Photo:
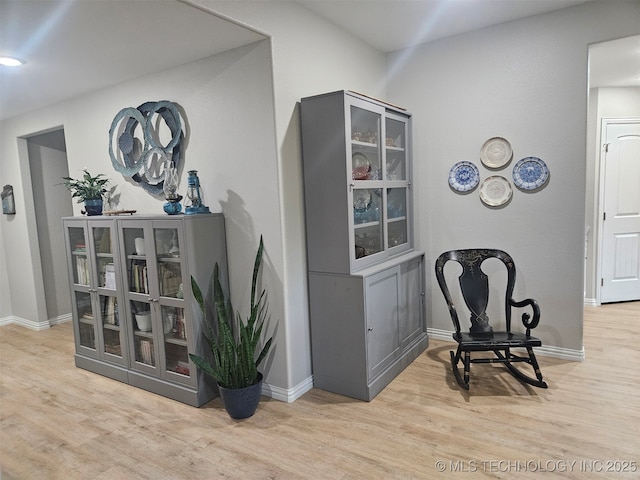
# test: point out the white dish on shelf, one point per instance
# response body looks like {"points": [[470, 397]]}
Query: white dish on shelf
{"points": [[143, 320], [496, 153], [495, 191]]}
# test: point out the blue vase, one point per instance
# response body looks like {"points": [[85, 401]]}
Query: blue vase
{"points": [[93, 206], [241, 402]]}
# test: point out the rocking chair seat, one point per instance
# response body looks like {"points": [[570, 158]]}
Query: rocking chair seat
{"points": [[497, 340], [480, 337]]}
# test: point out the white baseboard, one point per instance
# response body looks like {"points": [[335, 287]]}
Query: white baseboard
{"points": [[545, 350], [288, 395], [590, 302], [67, 317], [30, 324]]}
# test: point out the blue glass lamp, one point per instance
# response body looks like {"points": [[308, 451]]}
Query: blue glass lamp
{"points": [[170, 188], [194, 195]]}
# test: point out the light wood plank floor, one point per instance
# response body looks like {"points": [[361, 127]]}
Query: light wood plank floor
{"points": [[61, 422]]}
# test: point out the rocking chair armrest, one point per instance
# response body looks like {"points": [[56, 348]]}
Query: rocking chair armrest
{"points": [[533, 323]]}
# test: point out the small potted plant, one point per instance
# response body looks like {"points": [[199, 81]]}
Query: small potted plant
{"points": [[234, 346], [89, 190]]}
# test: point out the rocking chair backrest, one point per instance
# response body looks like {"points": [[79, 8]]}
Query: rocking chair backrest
{"points": [[474, 286]]}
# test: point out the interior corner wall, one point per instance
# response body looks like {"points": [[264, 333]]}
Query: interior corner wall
{"points": [[310, 56], [621, 102], [525, 81]]}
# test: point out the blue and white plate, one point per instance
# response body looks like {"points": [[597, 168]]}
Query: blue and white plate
{"points": [[464, 176], [530, 173]]}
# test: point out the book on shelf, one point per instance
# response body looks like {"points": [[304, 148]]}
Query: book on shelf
{"points": [[110, 276], [82, 270]]}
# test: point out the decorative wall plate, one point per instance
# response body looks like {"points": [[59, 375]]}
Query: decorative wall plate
{"points": [[464, 176], [495, 191], [496, 153], [530, 173]]}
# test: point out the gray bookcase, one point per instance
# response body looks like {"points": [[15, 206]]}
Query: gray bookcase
{"points": [[366, 281], [134, 317]]}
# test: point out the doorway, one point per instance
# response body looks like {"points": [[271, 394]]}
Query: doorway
{"points": [[48, 164], [620, 210], [614, 93]]}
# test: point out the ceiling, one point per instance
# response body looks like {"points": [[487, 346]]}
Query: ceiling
{"points": [[73, 47]]}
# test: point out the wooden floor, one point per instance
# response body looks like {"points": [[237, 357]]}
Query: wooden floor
{"points": [[61, 422]]}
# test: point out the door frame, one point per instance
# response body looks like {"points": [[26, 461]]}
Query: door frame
{"points": [[604, 123]]}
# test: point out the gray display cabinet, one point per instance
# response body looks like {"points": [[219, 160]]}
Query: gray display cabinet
{"points": [[134, 317], [366, 281]]}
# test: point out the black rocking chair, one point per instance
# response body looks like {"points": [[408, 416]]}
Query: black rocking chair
{"points": [[474, 286]]}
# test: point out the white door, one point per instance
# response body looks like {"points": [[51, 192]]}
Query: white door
{"points": [[621, 212]]}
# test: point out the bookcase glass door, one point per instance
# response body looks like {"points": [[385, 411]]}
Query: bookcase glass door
{"points": [[136, 255], [111, 331], [79, 260], [176, 349], [169, 265], [143, 335], [104, 262], [86, 320]]}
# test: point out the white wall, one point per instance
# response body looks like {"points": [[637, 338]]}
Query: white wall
{"points": [[603, 103], [526, 81], [310, 56]]}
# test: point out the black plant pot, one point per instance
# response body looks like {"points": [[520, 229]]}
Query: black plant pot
{"points": [[93, 206], [241, 402]]}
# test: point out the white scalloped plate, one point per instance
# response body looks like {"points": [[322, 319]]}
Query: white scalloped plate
{"points": [[496, 153], [495, 191]]}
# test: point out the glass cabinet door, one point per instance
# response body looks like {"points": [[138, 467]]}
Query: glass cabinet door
{"points": [[367, 221], [107, 314], [397, 226], [379, 171], [169, 265], [395, 149], [80, 274], [140, 301], [366, 156]]}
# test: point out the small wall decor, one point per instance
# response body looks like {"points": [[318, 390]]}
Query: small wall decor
{"points": [[530, 173], [495, 191], [464, 177], [136, 149], [496, 153], [8, 203]]}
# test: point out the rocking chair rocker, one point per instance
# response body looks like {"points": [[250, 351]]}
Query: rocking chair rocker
{"points": [[474, 286]]}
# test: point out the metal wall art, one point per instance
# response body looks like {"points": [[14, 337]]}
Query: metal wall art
{"points": [[135, 146]]}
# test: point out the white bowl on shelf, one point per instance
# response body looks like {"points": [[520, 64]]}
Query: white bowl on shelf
{"points": [[143, 320]]}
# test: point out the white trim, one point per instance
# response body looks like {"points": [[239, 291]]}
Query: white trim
{"points": [[67, 317], [288, 395], [544, 350], [591, 302], [30, 324]]}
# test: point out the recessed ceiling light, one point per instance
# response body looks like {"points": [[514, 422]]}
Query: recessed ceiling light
{"points": [[11, 62]]}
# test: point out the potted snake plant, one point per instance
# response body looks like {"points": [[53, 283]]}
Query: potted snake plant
{"points": [[234, 345]]}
